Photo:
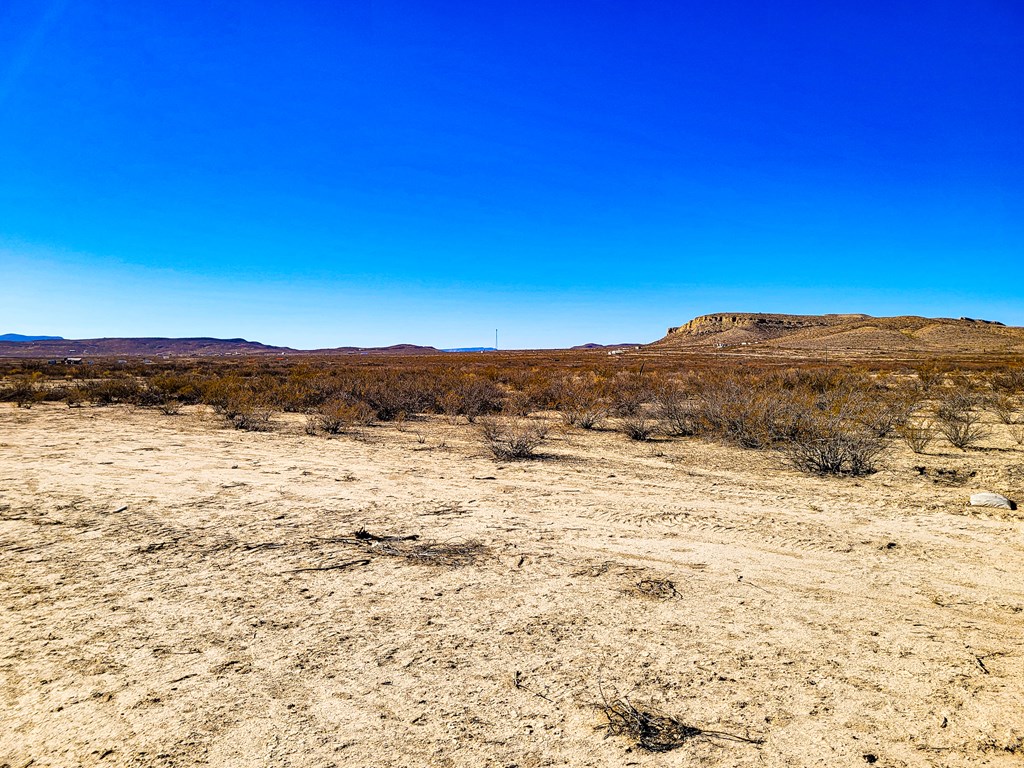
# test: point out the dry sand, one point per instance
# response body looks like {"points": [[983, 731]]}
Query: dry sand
{"points": [[153, 613]]}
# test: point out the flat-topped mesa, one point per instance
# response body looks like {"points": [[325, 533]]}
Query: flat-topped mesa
{"points": [[757, 321], [854, 334]]}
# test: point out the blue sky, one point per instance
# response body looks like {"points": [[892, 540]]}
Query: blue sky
{"points": [[332, 173]]}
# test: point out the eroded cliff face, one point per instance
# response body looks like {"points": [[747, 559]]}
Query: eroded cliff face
{"points": [[756, 321]]}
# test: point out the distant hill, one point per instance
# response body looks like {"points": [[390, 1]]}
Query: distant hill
{"points": [[605, 346], [17, 337], [185, 347], [843, 334]]}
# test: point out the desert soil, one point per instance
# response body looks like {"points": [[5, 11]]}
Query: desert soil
{"points": [[178, 593]]}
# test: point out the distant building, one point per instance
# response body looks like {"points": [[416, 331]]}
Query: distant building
{"points": [[72, 361]]}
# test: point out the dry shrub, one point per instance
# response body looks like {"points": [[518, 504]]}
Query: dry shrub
{"points": [[74, 396], [752, 412], [638, 426], [24, 390], [389, 394], [1009, 381], [959, 419], [581, 401], [468, 395], [339, 416], [1017, 432], [929, 377], [1003, 406], [885, 411], [836, 451], [676, 409], [170, 406], [520, 404], [918, 436], [630, 391], [249, 410], [831, 438], [512, 436], [115, 389], [450, 404]]}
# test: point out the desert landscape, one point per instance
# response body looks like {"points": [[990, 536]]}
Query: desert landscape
{"points": [[244, 563], [453, 385]]}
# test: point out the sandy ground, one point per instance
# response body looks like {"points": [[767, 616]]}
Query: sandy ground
{"points": [[154, 612]]}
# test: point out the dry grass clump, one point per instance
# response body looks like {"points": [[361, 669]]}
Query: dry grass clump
{"points": [[655, 731], [412, 550], [512, 436], [650, 730], [659, 589]]}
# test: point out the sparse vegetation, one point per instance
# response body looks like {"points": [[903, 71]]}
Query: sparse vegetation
{"points": [[638, 426], [1017, 432], [582, 401], [825, 419], [513, 436], [918, 436], [676, 409], [835, 451], [339, 416], [24, 390], [654, 731], [442, 506], [959, 419]]}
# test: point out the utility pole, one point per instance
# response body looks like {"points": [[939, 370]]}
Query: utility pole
{"points": [[495, 339]]}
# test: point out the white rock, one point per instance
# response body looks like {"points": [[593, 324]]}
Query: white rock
{"points": [[991, 500]]}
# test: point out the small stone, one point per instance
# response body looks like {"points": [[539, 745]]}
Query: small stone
{"points": [[991, 500]]}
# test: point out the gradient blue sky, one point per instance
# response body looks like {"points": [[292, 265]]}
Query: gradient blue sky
{"points": [[331, 173]]}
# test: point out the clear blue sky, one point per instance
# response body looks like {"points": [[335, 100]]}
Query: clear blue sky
{"points": [[330, 173]]}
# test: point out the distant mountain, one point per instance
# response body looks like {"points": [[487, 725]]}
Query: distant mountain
{"points": [[17, 337], [605, 346], [185, 347], [843, 334]]}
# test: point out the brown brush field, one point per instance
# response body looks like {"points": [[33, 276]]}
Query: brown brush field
{"points": [[701, 560]]}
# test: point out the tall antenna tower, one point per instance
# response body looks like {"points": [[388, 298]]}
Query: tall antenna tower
{"points": [[495, 339]]}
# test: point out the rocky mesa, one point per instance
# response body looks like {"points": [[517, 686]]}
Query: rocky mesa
{"points": [[846, 333]]}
